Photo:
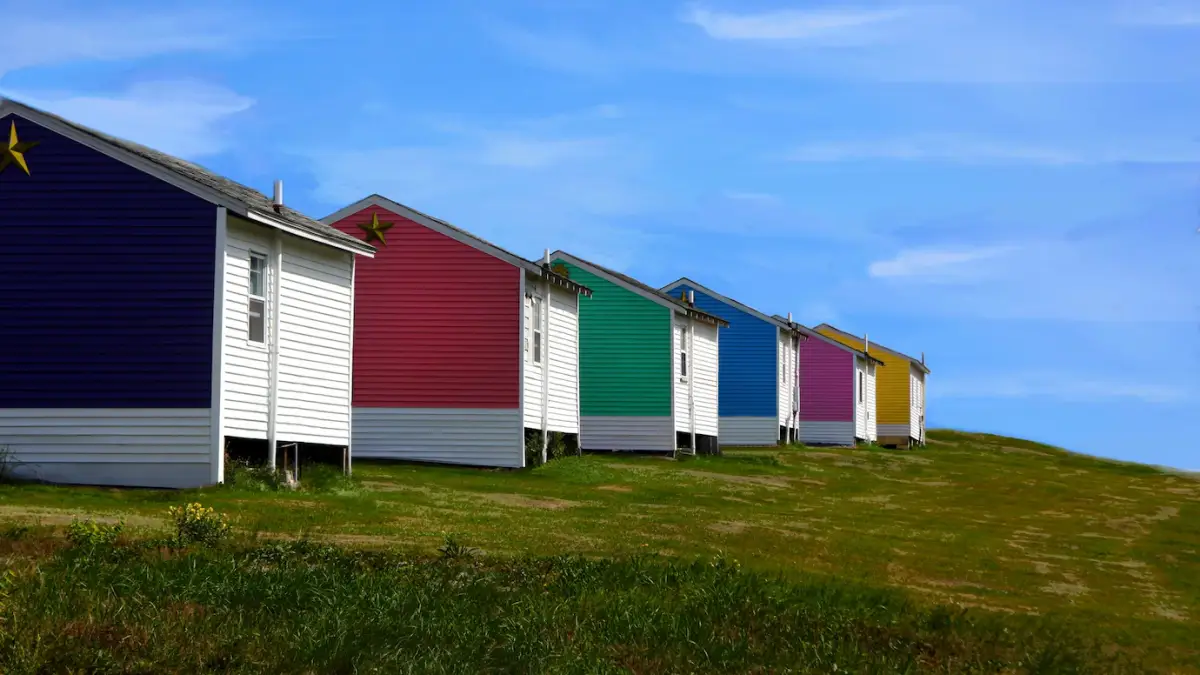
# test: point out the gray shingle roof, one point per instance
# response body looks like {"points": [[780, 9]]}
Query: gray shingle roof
{"points": [[683, 306], [250, 198]]}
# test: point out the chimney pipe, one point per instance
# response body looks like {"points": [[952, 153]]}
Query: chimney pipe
{"points": [[866, 343], [789, 317], [922, 358], [546, 257], [692, 298], [277, 202]]}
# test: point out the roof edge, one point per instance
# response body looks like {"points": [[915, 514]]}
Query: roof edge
{"points": [[658, 297]]}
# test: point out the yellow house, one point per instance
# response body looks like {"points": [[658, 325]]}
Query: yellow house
{"points": [[900, 390]]}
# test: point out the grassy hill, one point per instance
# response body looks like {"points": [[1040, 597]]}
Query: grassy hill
{"points": [[1012, 531]]}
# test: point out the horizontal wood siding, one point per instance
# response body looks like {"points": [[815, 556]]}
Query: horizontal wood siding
{"points": [[892, 382], [748, 358], [532, 381], [625, 351], [247, 382], [480, 437], [564, 361], [742, 431], [707, 385], [916, 403], [826, 382], [106, 283], [872, 414], [860, 398], [437, 322], [314, 344], [827, 433], [641, 433], [163, 447], [682, 408]]}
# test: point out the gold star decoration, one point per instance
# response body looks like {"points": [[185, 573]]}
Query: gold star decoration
{"points": [[561, 270], [375, 229], [14, 151]]}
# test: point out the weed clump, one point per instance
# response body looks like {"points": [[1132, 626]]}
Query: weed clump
{"points": [[197, 524]]}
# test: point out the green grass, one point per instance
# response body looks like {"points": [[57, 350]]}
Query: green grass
{"points": [[1022, 535]]}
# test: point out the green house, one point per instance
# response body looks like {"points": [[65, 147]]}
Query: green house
{"points": [[647, 365]]}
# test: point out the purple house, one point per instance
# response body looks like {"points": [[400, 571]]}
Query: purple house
{"points": [[837, 392]]}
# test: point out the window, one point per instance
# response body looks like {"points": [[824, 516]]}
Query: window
{"points": [[536, 320], [257, 305], [683, 355], [860, 386]]}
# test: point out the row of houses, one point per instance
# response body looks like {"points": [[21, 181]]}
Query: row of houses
{"points": [[156, 318]]}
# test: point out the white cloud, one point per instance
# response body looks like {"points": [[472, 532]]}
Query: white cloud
{"points": [[1131, 276], [526, 191], [1059, 386], [42, 37], [840, 25], [753, 197], [535, 153], [1160, 14], [937, 264], [962, 149], [182, 118], [932, 148]]}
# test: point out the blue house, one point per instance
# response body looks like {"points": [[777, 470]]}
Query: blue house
{"points": [[758, 377], [153, 314]]}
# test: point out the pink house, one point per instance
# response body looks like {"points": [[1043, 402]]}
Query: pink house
{"points": [[837, 392]]}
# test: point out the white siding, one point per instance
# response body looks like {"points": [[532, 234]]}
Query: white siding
{"points": [[564, 361], [678, 340], [916, 403], [704, 386], [244, 406], [533, 371], [131, 447], [872, 424], [790, 397], [476, 437], [647, 434], [783, 398], [827, 433], [315, 340], [741, 431], [860, 398]]}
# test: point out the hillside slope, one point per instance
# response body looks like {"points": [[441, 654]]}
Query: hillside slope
{"points": [[981, 521]]}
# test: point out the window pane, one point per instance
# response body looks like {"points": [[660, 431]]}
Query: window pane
{"points": [[537, 347], [683, 364], [257, 326], [257, 264]]}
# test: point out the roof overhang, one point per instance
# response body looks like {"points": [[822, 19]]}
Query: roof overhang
{"points": [[669, 303]]}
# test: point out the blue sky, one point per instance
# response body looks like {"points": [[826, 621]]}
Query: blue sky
{"points": [[1011, 187]]}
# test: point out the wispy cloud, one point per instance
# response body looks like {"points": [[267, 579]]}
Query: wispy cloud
{"points": [[963, 149], [1177, 14], [754, 197], [181, 117], [824, 25], [523, 189], [37, 35], [937, 264], [1059, 386]]}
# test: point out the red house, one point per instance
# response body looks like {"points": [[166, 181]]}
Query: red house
{"points": [[462, 349]]}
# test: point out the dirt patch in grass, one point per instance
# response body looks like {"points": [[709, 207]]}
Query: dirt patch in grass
{"points": [[765, 481], [1022, 451], [729, 527], [524, 501], [615, 488], [387, 486], [1068, 589], [49, 516]]}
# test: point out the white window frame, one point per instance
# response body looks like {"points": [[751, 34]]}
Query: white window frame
{"points": [[537, 347], [260, 299], [684, 364]]}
